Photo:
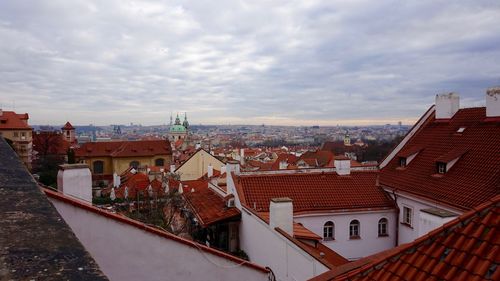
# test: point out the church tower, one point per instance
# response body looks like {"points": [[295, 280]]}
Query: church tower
{"points": [[69, 133]]}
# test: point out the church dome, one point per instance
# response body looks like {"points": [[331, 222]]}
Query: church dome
{"points": [[177, 129]]}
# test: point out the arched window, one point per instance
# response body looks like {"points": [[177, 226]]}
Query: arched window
{"points": [[382, 227], [98, 167], [134, 164], [329, 231], [160, 162], [354, 230]]}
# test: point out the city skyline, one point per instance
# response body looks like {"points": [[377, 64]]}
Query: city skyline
{"points": [[281, 63]]}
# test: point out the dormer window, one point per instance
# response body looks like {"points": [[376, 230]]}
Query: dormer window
{"points": [[441, 168], [402, 162]]}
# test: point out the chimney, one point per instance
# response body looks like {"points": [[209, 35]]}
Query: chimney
{"points": [[197, 146], [75, 180], [210, 171], [447, 105], [180, 190], [242, 156], [493, 102], [233, 166], [222, 169], [116, 180], [342, 165], [281, 214], [172, 168]]}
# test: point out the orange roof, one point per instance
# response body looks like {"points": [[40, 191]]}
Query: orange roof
{"points": [[314, 191], [124, 148], [207, 205], [68, 126], [11, 120], [467, 248], [474, 178]]}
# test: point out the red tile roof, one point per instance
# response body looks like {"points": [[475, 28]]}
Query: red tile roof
{"points": [[12, 120], [207, 205], [68, 126], [124, 149], [474, 178], [314, 191], [467, 248], [323, 158]]}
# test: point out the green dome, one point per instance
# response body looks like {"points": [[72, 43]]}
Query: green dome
{"points": [[177, 129]]}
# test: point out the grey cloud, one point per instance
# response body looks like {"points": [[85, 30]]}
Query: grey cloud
{"points": [[236, 61]]}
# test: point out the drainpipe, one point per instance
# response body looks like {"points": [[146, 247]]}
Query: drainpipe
{"points": [[397, 216]]}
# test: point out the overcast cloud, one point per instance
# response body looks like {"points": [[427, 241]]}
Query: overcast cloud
{"points": [[292, 63]]}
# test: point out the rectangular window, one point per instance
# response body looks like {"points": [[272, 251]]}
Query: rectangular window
{"points": [[441, 168], [16, 134], [402, 162], [407, 215]]}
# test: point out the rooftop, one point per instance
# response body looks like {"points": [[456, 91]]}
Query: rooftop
{"points": [[325, 191], [474, 178], [12, 120], [124, 148]]}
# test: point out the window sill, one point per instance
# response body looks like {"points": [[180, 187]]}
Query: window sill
{"points": [[406, 224], [354, 237], [328, 239], [383, 235]]}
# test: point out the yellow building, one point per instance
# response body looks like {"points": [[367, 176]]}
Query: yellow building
{"points": [[15, 129], [106, 158], [197, 165]]}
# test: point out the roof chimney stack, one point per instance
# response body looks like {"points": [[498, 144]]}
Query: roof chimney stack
{"points": [[281, 214], [75, 180], [493, 102], [447, 105], [233, 166], [342, 165], [210, 171]]}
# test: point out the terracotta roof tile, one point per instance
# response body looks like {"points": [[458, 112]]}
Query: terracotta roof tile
{"points": [[474, 178], [467, 248], [207, 205], [12, 120], [68, 126], [314, 191], [124, 148]]}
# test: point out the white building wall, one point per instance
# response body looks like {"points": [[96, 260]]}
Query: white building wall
{"points": [[410, 233], [428, 222], [352, 249], [269, 248], [124, 252]]}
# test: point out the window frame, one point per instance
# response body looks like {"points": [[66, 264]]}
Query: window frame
{"points": [[383, 224], [407, 220], [162, 160], [131, 164], [94, 163], [355, 229], [441, 168], [402, 162], [329, 230]]}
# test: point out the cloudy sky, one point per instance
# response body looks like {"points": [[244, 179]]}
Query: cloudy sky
{"points": [[236, 62]]}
